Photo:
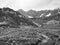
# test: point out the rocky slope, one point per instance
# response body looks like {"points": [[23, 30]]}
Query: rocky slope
{"points": [[13, 18]]}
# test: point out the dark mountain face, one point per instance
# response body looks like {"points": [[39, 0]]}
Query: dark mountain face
{"points": [[13, 18], [9, 15]]}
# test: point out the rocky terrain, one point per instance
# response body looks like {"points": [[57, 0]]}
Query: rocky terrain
{"points": [[32, 36], [18, 28]]}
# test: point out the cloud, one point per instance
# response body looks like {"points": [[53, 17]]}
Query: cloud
{"points": [[30, 4], [54, 4]]}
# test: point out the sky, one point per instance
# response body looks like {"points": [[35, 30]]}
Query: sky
{"points": [[30, 4]]}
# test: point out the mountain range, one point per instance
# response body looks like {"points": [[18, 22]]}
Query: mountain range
{"points": [[11, 18], [40, 14]]}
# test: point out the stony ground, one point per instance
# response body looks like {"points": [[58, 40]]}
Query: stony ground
{"points": [[29, 36]]}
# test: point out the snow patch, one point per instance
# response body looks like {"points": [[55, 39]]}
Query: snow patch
{"points": [[30, 17], [41, 15], [48, 15]]}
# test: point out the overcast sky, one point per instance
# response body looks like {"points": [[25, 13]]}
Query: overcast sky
{"points": [[30, 4]]}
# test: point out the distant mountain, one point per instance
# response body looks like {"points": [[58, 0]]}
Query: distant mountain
{"points": [[42, 16], [26, 14], [39, 14]]}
